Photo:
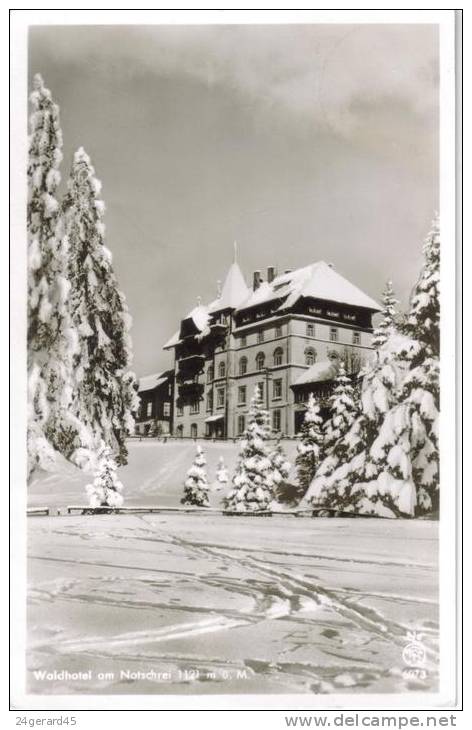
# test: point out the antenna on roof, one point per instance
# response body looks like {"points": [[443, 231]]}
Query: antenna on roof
{"points": [[235, 257]]}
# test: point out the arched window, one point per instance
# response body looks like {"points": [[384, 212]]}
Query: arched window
{"points": [[278, 355], [310, 356], [260, 360], [222, 369], [193, 430], [210, 374], [243, 366]]}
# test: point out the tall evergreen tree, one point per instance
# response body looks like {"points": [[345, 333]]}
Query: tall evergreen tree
{"points": [[310, 446], [343, 409], [423, 323], [389, 315], [407, 445], [105, 396], [391, 459], [253, 479], [281, 466], [52, 340]]}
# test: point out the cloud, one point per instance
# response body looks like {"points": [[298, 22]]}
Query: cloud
{"points": [[328, 74]]}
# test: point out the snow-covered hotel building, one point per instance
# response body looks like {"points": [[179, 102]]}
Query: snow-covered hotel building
{"points": [[287, 334]]}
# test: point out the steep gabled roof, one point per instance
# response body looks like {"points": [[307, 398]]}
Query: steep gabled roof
{"points": [[200, 316], [318, 280], [149, 382], [234, 291], [174, 340]]}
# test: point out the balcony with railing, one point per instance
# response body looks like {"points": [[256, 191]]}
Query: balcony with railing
{"points": [[190, 392], [189, 367]]}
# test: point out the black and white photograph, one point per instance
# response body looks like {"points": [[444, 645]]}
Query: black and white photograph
{"points": [[236, 287]]}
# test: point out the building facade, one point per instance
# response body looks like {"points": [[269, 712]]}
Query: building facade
{"points": [[156, 395], [288, 335]]}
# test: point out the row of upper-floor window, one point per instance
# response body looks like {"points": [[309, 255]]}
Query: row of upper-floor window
{"points": [[310, 331], [261, 362], [243, 362], [277, 390], [277, 357]]}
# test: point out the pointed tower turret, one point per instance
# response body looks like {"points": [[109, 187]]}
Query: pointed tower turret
{"points": [[233, 292]]}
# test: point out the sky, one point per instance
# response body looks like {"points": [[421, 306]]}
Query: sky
{"points": [[300, 142]]}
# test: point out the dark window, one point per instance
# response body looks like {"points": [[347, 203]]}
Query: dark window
{"points": [[220, 397], [356, 338], [180, 410], [278, 356], [241, 424], [195, 407], [277, 389], [260, 360], [261, 388], [278, 331], [242, 395], [260, 336], [243, 341], [180, 430], [310, 356], [243, 366], [333, 334], [276, 419], [210, 374], [222, 369], [194, 430], [310, 330], [209, 405]]}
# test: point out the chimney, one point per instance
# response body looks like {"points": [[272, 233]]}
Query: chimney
{"points": [[270, 274], [256, 280]]}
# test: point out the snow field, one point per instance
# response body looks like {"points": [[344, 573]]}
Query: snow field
{"points": [[154, 475], [214, 605]]}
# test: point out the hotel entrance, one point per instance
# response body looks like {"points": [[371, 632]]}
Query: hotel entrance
{"points": [[214, 427]]}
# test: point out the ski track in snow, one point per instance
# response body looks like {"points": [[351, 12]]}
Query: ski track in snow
{"points": [[277, 619]]}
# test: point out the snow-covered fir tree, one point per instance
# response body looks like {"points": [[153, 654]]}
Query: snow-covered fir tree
{"points": [[406, 448], [221, 474], [389, 316], [196, 485], [52, 339], [343, 435], [423, 322], [105, 387], [281, 467], [391, 460], [253, 479], [106, 489], [310, 445], [343, 410]]}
